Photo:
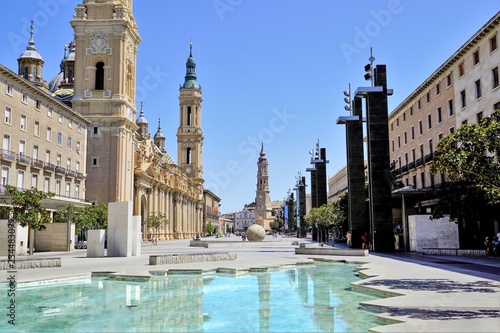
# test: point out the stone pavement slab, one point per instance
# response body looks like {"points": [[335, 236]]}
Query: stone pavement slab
{"points": [[415, 297]]}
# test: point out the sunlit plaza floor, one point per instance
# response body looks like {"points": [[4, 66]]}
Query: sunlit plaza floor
{"points": [[423, 297]]}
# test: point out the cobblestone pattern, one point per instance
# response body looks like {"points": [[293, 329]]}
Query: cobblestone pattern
{"points": [[31, 263], [189, 258]]}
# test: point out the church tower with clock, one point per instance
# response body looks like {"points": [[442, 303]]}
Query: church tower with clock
{"points": [[262, 200], [106, 40], [189, 133]]}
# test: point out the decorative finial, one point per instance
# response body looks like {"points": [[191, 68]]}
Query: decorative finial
{"points": [[190, 49], [31, 43], [142, 103], [159, 127]]}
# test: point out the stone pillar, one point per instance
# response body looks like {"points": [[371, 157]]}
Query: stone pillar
{"points": [[356, 195], [302, 208], [379, 165], [314, 196]]}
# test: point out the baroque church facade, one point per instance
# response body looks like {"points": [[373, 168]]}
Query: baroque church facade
{"points": [[97, 81]]}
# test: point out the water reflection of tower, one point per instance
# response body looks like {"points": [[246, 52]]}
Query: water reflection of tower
{"points": [[324, 313], [303, 286], [264, 283]]}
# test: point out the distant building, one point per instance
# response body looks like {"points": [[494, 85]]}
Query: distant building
{"points": [[211, 214], [243, 219]]}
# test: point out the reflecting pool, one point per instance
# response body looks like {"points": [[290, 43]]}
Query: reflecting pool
{"points": [[305, 298]]}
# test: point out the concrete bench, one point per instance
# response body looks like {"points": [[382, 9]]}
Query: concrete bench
{"points": [[167, 259], [331, 251], [31, 263]]}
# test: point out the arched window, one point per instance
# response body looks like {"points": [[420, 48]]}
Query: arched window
{"points": [[189, 116], [99, 76], [188, 156]]}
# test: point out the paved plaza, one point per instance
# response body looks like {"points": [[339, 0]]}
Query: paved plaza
{"points": [[421, 293]]}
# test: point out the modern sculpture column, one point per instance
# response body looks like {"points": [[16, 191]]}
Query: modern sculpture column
{"points": [[379, 163], [356, 195]]}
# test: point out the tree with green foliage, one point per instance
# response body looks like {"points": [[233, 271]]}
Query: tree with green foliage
{"points": [[326, 217], [89, 217], [210, 228], [275, 225], [27, 209], [156, 220], [470, 155]]}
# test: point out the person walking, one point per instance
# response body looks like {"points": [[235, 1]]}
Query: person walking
{"points": [[348, 238]]}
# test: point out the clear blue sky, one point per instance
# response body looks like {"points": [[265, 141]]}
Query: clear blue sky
{"points": [[271, 70]]}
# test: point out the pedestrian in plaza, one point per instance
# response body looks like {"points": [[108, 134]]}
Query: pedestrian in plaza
{"points": [[496, 246], [348, 237], [487, 246], [366, 241]]}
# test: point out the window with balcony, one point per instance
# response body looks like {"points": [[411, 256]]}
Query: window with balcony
{"points": [[478, 89], [494, 76], [475, 57], [493, 43], [22, 123], [36, 128], [58, 187], [8, 89], [461, 69], [8, 115], [463, 99]]}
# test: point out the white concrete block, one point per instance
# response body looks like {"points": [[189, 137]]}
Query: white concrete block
{"points": [[95, 243], [136, 235], [120, 229]]}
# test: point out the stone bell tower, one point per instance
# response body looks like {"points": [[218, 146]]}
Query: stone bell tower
{"points": [[106, 40], [189, 133]]}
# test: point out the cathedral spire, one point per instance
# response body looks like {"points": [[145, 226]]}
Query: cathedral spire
{"points": [[190, 80], [30, 63]]}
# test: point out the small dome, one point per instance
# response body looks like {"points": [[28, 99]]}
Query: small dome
{"points": [[55, 82], [141, 120], [159, 134], [71, 54], [31, 51]]}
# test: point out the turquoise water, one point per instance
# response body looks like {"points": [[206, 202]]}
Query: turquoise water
{"points": [[309, 298]]}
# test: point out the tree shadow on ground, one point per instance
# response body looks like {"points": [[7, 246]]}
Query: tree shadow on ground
{"points": [[435, 285], [444, 314]]}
